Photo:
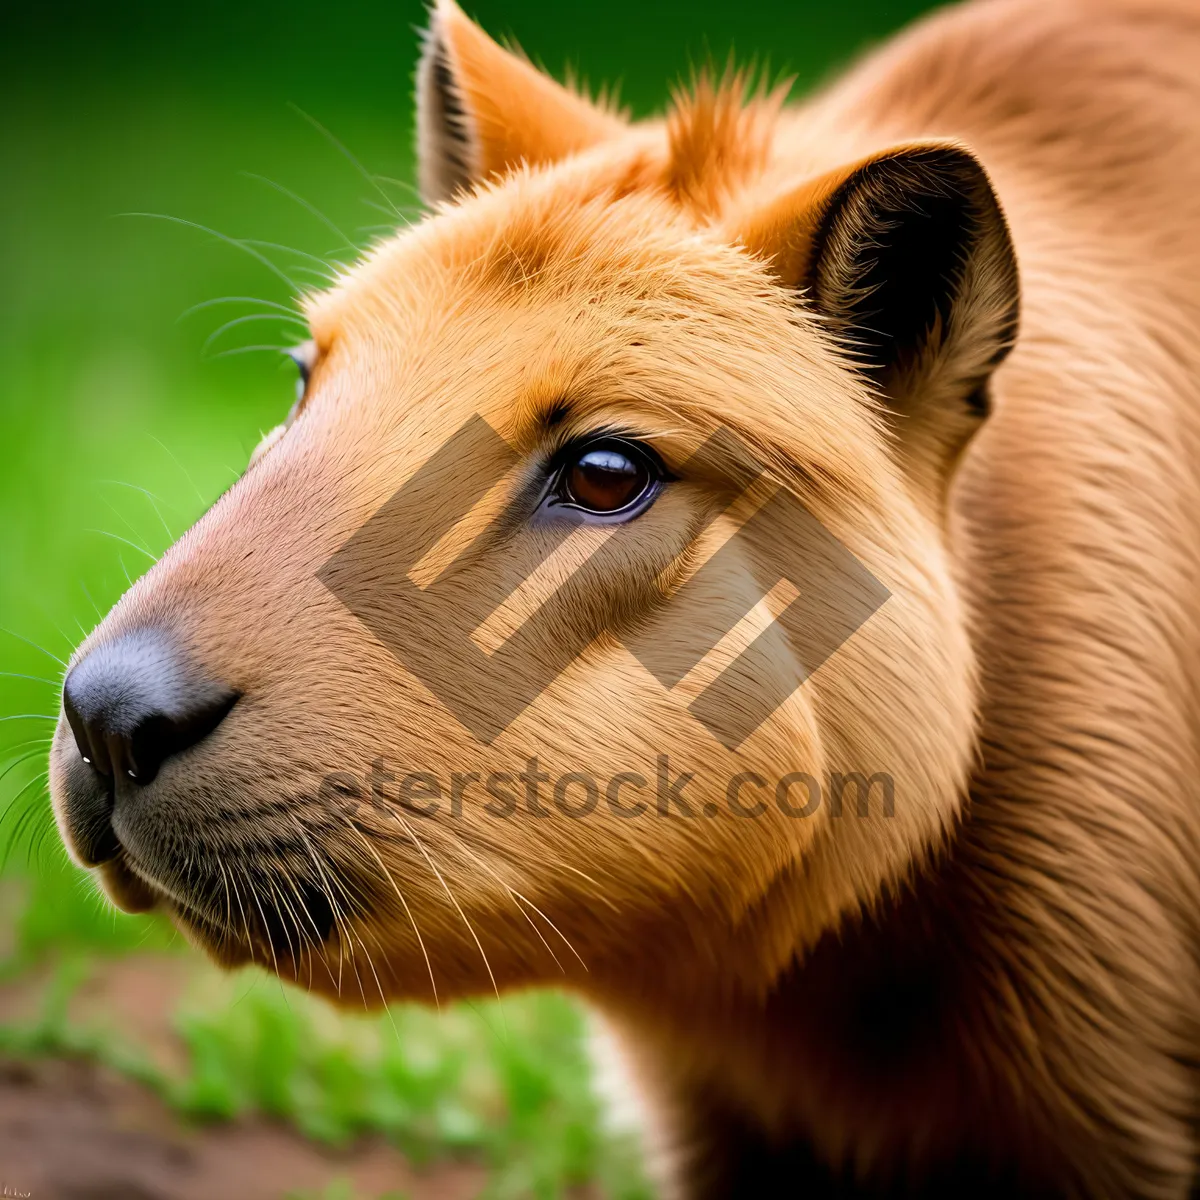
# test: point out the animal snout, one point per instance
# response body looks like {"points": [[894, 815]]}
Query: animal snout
{"points": [[137, 701]]}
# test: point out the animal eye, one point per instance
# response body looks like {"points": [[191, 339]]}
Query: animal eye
{"points": [[607, 477], [303, 356]]}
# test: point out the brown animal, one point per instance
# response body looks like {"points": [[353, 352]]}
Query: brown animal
{"points": [[986, 981]]}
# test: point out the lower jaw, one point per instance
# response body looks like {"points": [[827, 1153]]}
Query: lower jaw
{"points": [[132, 894], [225, 951], [127, 890]]}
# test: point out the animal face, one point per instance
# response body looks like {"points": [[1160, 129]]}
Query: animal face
{"points": [[412, 711]]}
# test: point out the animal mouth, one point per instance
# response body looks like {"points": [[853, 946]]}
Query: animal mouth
{"points": [[239, 888], [236, 918], [127, 889], [237, 893]]}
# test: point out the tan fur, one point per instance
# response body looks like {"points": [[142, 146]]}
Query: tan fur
{"points": [[996, 987]]}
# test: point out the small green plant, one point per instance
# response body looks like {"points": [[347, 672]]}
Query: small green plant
{"points": [[341, 1189], [507, 1084]]}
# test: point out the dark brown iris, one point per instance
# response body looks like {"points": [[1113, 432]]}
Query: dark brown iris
{"points": [[606, 479]]}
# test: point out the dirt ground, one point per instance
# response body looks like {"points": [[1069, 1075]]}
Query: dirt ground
{"points": [[72, 1131]]}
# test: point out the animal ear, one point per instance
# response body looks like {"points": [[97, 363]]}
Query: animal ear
{"points": [[482, 109], [907, 256]]}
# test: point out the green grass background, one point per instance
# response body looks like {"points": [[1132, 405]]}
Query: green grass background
{"points": [[120, 420]]}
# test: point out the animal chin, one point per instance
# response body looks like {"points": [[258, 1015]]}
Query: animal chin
{"points": [[222, 945], [125, 888], [248, 925], [128, 888]]}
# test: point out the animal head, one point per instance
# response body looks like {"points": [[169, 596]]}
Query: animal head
{"points": [[469, 681]]}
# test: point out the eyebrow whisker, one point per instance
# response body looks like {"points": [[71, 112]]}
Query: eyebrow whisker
{"points": [[243, 320], [308, 206], [273, 304]]}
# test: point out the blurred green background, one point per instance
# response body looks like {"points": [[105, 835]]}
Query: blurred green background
{"points": [[124, 409]]}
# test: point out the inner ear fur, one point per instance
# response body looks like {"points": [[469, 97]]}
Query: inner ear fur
{"points": [[907, 257], [481, 110]]}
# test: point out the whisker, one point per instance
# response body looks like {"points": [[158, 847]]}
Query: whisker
{"points": [[248, 350], [99, 614], [154, 502], [277, 895], [304, 254], [408, 912], [334, 907], [339, 878], [229, 241], [313, 940], [40, 778], [36, 678], [266, 927], [379, 208], [516, 897], [228, 897], [38, 846], [336, 876], [566, 940], [42, 649], [383, 1000], [404, 186], [237, 895], [171, 455], [354, 161], [132, 545], [306, 205], [282, 903], [31, 846], [387, 1008], [29, 810], [600, 895], [37, 743], [57, 627], [245, 320], [37, 752], [290, 310], [120, 517], [323, 276], [446, 888], [301, 932]]}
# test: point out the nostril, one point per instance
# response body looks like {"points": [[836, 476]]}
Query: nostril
{"points": [[94, 753], [160, 737], [134, 703]]}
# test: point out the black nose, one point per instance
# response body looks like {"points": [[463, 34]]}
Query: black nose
{"points": [[134, 702]]}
